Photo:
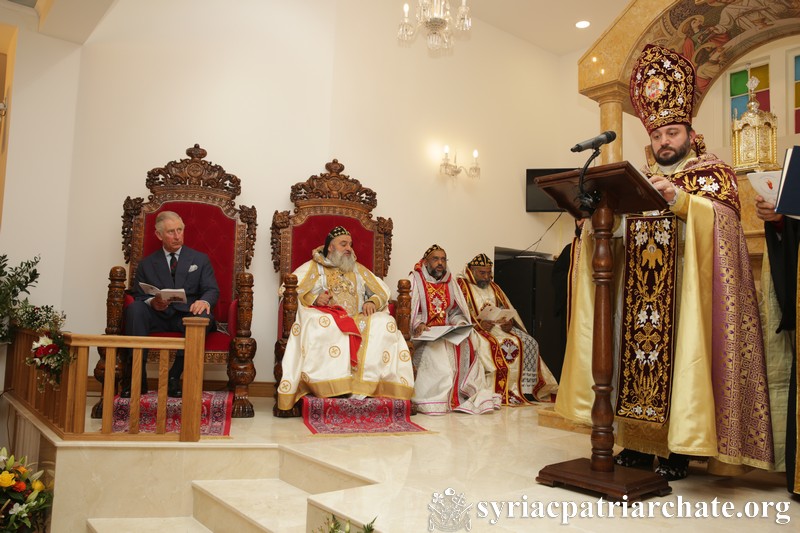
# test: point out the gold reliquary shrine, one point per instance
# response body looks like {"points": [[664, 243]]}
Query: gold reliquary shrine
{"points": [[755, 137]]}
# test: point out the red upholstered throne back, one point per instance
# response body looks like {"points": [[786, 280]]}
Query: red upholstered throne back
{"points": [[312, 232], [210, 231]]}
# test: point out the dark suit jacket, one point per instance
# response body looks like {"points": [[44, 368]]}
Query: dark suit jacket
{"points": [[194, 274], [783, 252]]}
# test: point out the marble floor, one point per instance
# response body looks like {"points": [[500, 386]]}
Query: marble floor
{"points": [[489, 464]]}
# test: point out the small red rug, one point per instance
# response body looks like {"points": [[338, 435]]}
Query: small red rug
{"points": [[215, 417], [349, 416]]}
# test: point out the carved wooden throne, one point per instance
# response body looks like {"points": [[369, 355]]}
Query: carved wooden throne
{"points": [[203, 194], [321, 203]]}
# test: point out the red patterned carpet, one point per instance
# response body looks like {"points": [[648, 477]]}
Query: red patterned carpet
{"points": [[349, 416], [215, 418]]}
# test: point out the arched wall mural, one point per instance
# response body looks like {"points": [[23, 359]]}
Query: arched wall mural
{"points": [[712, 33]]}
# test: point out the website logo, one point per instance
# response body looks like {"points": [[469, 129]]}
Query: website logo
{"points": [[449, 512]]}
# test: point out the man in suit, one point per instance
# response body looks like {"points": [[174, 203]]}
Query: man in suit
{"points": [[174, 266]]}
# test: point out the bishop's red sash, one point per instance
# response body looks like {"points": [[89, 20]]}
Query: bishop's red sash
{"points": [[346, 325]]}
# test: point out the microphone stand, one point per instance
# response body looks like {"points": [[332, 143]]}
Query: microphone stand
{"points": [[588, 200]]}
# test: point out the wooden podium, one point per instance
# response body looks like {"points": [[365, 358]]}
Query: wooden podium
{"points": [[614, 189]]}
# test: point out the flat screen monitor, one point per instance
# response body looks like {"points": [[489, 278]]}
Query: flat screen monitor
{"points": [[536, 200]]}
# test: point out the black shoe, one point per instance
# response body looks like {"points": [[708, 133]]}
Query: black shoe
{"points": [[674, 468], [174, 388], [125, 390], [634, 459]]}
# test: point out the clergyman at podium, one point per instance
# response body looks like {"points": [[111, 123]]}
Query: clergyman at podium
{"points": [[689, 358]]}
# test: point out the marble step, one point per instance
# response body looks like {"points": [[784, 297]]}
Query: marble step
{"points": [[250, 505], [181, 524]]}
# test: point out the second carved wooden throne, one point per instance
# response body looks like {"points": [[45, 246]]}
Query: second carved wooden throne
{"points": [[321, 203]]}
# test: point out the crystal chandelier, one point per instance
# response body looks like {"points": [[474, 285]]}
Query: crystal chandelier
{"points": [[434, 16]]}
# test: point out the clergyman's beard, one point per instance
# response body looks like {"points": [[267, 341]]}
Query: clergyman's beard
{"points": [[678, 154], [433, 273], [483, 283], [343, 262]]}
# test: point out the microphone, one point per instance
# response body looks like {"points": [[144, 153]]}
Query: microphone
{"points": [[595, 142]]}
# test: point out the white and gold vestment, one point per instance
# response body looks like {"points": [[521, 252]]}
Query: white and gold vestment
{"points": [[321, 356]]}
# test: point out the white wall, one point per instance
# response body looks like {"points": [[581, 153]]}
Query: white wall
{"points": [[41, 122], [274, 90]]}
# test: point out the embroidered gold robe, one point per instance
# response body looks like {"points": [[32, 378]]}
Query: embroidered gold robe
{"points": [[698, 387], [318, 360]]}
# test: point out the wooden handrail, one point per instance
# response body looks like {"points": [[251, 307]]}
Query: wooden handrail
{"points": [[63, 409]]}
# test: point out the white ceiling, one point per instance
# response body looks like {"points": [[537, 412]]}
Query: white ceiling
{"points": [[548, 24]]}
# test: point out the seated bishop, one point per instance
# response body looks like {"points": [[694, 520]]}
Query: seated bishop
{"points": [[343, 341], [520, 374], [451, 375]]}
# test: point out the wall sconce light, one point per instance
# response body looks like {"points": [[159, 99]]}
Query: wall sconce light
{"points": [[452, 169]]}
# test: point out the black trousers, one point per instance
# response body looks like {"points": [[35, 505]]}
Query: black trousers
{"points": [[142, 320]]}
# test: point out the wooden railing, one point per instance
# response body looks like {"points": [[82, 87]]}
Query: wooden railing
{"points": [[63, 408]]}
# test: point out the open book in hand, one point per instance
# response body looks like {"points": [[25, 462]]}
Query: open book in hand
{"points": [[765, 184], [170, 295], [454, 334], [788, 201], [492, 313]]}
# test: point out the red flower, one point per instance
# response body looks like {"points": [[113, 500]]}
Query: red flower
{"points": [[44, 351], [19, 486]]}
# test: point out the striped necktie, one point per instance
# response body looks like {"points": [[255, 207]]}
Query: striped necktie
{"points": [[173, 264]]}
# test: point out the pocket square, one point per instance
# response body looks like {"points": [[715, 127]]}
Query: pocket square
{"points": [[192, 268]]}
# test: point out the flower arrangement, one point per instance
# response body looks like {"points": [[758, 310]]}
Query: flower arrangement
{"points": [[50, 353], [24, 498], [38, 318]]}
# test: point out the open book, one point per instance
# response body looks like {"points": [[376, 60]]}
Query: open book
{"points": [[454, 334], [766, 184], [170, 295], [495, 314]]}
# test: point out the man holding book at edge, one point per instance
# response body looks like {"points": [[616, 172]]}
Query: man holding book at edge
{"points": [[779, 275]]}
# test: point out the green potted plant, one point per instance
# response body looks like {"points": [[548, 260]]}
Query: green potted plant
{"points": [[13, 282], [332, 525]]}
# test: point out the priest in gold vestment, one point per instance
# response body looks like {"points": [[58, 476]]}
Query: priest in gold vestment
{"points": [[343, 340], [520, 375], [690, 372]]}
